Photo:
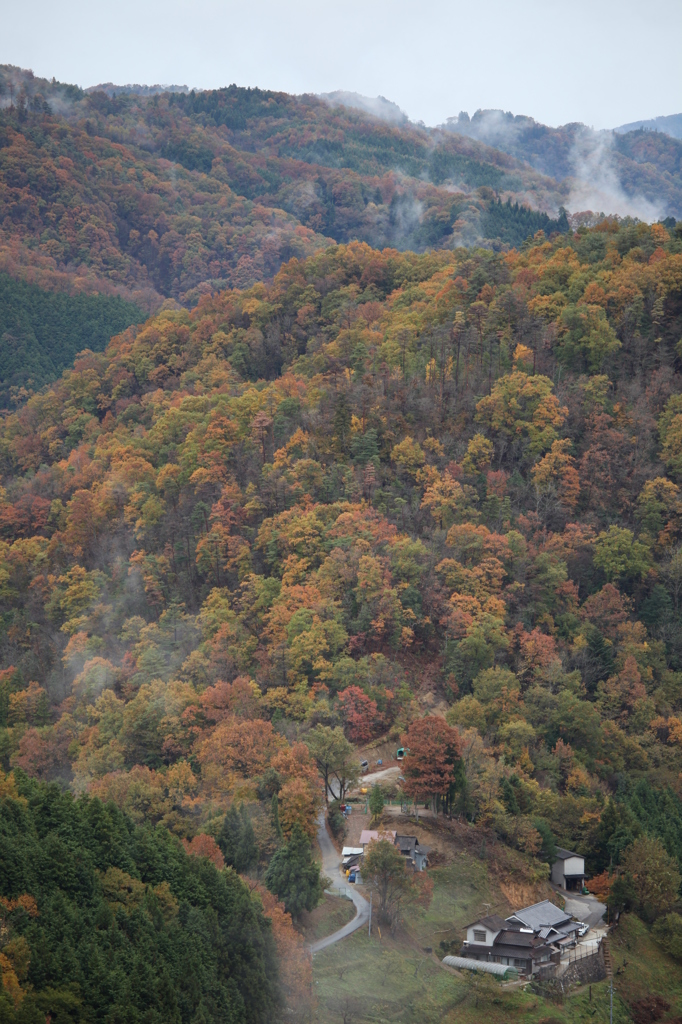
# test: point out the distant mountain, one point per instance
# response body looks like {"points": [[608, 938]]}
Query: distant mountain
{"points": [[136, 90], [635, 173], [171, 195], [377, 106], [670, 125]]}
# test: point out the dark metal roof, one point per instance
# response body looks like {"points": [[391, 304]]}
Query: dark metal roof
{"points": [[516, 941], [514, 938], [493, 922], [562, 854]]}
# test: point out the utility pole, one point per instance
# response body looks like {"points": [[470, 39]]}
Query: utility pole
{"points": [[611, 1013], [369, 930]]}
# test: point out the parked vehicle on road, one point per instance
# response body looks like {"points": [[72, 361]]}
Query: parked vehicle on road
{"points": [[583, 928]]}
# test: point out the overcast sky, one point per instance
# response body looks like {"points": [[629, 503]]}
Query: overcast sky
{"points": [[603, 62]]}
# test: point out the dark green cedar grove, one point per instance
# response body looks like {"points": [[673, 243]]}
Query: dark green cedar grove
{"points": [[513, 224], [214, 961], [41, 331]]}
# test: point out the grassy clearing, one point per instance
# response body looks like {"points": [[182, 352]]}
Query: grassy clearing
{"points": [[332, 913], [388, 980], [392, 981]]}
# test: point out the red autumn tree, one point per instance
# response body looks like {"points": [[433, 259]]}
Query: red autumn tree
{"points": [[431, 766], [227, 699], [360, 715], [606, 610], [203, 845]]}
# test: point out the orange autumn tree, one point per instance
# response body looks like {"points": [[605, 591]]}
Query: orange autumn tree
{"points": [[432, 765], [244, 747], [601, 885]]}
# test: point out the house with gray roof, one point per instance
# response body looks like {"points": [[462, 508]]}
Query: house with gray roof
{"points": [[558, 926], [529, 939], [492, 940]]}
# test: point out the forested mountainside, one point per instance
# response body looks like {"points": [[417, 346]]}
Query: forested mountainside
{"points": [[176, 194], [381, 484], [428, 498], [116, 921], [643, 164], [180, 194]]}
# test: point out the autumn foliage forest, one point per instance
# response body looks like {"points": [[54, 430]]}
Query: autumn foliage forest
{"points": [[176, 195], [430, 497]]}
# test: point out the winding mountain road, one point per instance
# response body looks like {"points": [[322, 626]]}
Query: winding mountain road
{"points": [[331, 867]]}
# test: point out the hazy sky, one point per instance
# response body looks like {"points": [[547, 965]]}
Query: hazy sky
{"points": [[603, 62]]}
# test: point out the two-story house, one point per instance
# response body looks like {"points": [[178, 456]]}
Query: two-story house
{"points": [[495, 940], [527, 940], [568, 870]]}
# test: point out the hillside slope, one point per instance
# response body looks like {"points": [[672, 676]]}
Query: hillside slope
{"points": [[454, 472], [388, 494]]}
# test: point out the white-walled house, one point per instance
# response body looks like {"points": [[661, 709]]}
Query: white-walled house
{"points": [[568, 870], [493, 940], [484, 931]]}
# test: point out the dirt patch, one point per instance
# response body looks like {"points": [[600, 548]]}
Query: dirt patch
{"points": [[355, 823], [520, 894], [649, 1010], [383, 750]]}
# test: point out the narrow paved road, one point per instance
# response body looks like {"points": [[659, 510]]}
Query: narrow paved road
{"points": [[585, 908], [331, 867]]}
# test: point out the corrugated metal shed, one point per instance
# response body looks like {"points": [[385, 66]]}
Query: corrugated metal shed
{"points": [[463, 963]]}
